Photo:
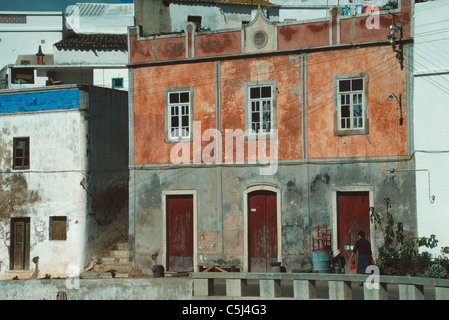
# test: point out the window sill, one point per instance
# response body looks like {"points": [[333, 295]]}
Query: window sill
{"points": [[179, 140], [352, 132]]}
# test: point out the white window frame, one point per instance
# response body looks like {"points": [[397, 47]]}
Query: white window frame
{"points": [[249, 112], [363, 94], [183, 108]]}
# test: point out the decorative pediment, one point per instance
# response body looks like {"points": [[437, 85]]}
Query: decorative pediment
{"points": [[259, 35]]}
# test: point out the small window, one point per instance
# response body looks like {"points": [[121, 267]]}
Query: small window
{"points": [[351, 104], [260, 107], [196, 20], [117, 83], [58, 228], [21, 153], [179, 114]]}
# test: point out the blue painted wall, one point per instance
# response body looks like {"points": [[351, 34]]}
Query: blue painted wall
{"points": [[39, 101]]}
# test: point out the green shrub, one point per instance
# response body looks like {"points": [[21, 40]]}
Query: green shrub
{"points": [[437, 271], [400, 257]]}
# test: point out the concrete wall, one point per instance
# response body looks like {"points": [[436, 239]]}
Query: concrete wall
{"points": [[98, 289], [306, 192], [107, 184], [431, 75]]}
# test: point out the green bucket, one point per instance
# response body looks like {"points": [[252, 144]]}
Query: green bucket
{"points": [[321, 260]]}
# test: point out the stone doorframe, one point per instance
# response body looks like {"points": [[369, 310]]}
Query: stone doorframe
{"points": [[335, 189], [193, 193], [260, 187]]}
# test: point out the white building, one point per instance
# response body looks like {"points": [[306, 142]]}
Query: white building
{"points": [[218, 14], [93, 52], [431, 112], [22, 32], [63, 177]]}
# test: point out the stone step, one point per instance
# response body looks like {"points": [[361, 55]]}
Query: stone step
{"points": [[122, 275], [123, 246], [109, 260], [119, 253], [118, 267]]}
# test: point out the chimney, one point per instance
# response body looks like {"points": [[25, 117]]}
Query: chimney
{"points": [[40, 56]]}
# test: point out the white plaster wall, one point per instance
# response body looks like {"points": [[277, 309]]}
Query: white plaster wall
{"points": [[114, 17], [213, 17], [103, 77], [90, 57], [42, 29], [231, 17], [431, 111], [57, 167], [315, 9], [104, 24]]}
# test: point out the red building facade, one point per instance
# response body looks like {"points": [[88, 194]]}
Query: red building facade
{"points": [[262, 134]]}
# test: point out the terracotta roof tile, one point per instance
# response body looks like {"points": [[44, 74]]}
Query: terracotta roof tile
{"points": [[94, 41]]}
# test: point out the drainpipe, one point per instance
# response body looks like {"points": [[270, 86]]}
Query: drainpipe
{"points": [[431, 198]]}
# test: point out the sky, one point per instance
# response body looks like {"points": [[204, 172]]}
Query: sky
{"points": [[47, 5]]}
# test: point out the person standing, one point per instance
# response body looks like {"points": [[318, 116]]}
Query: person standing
{"points": [[365, 257]]}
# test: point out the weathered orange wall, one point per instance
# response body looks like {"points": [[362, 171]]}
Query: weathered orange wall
{"points": [[303, 35], [386, 137], [149, 105], [216, 44], [286, 71]]}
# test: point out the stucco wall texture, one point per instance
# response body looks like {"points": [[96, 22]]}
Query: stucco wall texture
{"points": [[314, 163], [78, 140]]}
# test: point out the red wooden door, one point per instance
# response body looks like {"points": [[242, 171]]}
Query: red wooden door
{"points": [[180, 233], [353, 216], [262, 230]]}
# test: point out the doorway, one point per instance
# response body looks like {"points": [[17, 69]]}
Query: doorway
{"points": [[179, 232], [352, 216], [262, 230], [20, 244]]}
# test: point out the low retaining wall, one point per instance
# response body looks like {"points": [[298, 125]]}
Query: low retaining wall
{"points": [[201, 286], [99, 289], [304, 285]]}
